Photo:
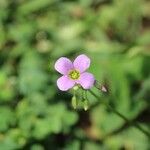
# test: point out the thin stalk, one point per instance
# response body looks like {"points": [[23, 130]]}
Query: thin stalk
{"points": [[136, 125]]}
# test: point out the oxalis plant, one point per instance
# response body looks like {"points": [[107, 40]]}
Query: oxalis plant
{"points": [[75, 77]]}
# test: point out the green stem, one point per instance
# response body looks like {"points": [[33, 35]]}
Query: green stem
{"points": [[136, 125]]}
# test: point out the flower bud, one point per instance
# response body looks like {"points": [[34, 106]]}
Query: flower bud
{"points": [[76, 87], [86, 104], [74, 102], [103, 88]]}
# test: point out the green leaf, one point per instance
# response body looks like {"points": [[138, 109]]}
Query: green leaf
{"points": [[7, 118], [32, 77], [33, 5]]}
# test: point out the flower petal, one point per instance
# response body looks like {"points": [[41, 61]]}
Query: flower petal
{"points": [[86, 80], [63, 65], [82, 62], [64, 83]]}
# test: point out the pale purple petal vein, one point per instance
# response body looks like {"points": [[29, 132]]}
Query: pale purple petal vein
{"points": [[63, 65], [86, 80], [64, 83], [81, 63]]}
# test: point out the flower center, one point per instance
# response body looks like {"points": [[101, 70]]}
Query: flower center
{"points": [[74, 74]]}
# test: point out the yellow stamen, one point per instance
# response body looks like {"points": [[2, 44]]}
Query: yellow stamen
{"points": [[74, 74]]}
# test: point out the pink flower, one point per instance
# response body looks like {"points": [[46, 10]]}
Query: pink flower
{"points": [[74, 73]]}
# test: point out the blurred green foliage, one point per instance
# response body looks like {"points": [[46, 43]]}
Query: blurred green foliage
{"points": [[115, 34]]}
